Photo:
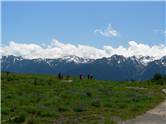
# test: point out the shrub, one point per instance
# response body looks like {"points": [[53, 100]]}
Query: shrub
{"points": [[5, 110], [31, 109], [12, 109], [89, 94], [157, 76], [9, 78], [35, 81], [96, 103], [79, 109], [20, 118], [159, 79], [122, 105], [109, 105], [47, 113], [62, 109], [33, 121], [160, 82]]}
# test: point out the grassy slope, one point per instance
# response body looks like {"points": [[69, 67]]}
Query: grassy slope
{"points": [[44, 99]]}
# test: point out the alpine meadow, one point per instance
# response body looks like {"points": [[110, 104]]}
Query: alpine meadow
{"points": [[83, 62]]}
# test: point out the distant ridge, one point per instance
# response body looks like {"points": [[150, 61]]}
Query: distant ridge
{"points": [[116, 67]]}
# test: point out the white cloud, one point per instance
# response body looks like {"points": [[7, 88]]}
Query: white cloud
{"points": [[58, 49], [108, 32]]}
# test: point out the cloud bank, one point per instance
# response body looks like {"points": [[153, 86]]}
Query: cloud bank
{"points": [[58, 49], [108, 32]]}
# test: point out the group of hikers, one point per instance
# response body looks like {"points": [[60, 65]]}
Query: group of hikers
{"points": [[81, 76], [89, 76], [61, 77]]}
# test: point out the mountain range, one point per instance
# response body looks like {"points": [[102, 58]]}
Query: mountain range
{"points": [[116, 67]]}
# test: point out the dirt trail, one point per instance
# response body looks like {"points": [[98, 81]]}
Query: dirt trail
{"points": [[154, 116]]}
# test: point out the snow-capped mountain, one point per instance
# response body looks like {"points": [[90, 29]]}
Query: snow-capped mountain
{"points": [[116, 67], [145, 59], [76, 59]]}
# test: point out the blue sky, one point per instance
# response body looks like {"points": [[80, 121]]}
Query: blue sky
{"points": [[75, 22]]}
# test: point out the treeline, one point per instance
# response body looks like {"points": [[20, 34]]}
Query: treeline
{"points": [[159, 79]]}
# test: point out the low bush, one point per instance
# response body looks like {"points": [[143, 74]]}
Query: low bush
{"points": [[47, 113], [20, 118], [5, 110], [89, 94], [33, 121], [79, 109], [62, 109], [96, 103]]}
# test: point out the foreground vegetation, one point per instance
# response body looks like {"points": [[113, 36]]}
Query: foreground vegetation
{"points": [[43, 99]]}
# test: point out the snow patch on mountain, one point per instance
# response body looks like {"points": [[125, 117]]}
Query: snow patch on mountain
{"points": [[146, 59], [76, 59]]}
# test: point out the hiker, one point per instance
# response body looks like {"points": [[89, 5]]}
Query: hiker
{"points": [[81, 76], [88, 76], [91, 76], [59, 76], [7, 73]]}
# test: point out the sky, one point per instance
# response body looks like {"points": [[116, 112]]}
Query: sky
{"points": [[97, 25]]}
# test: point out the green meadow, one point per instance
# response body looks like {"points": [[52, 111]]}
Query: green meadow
{"points": [[43, 99]]}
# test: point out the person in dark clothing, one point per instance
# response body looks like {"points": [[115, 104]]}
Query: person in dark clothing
{"points": [[59, 76], [91, 76], [7, 73], [81, 76], [88, 76]]}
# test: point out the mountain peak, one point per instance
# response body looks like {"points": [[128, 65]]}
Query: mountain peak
{"points": [[76, 59], [116, 67]]}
